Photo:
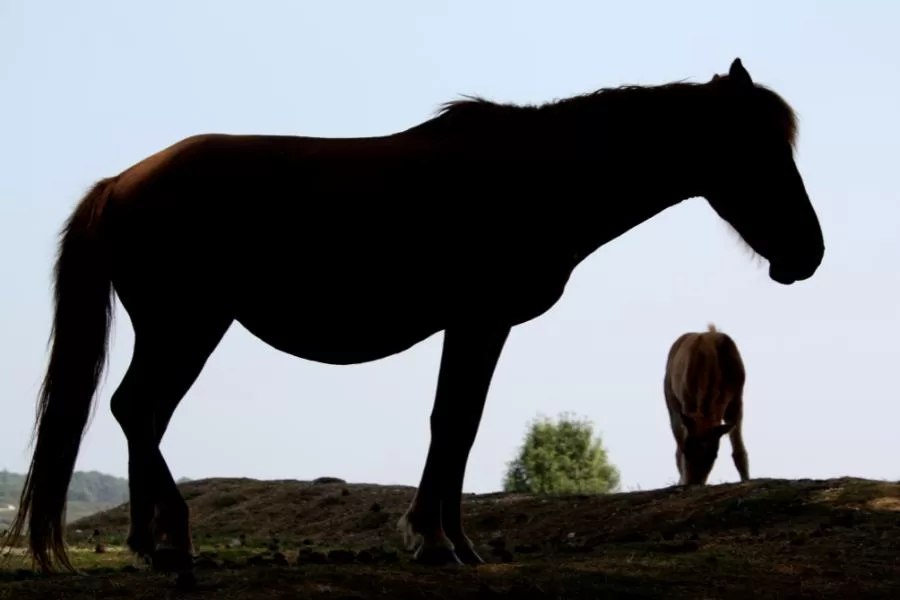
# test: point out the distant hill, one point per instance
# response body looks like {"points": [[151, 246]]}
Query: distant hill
{"points": [[90, 492]]}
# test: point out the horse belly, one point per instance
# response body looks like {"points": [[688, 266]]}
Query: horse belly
{"points": [[335, 329]]}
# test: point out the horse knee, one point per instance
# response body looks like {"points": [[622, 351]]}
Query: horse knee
{"points": [[122, 409]]}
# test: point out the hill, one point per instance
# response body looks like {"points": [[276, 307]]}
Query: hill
{"points": [[766, 538], [89, 492]]}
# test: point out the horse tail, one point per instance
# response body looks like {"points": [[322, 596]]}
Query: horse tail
{"points": [[83, 302]]}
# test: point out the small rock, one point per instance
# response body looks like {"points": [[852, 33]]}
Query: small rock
{"points": [[311, 557], [505, 555], [577, 548], [491, 522], [390, 556], [279, 559], [186, 580], [341, 557], [205, 562], [258, 560], [679, 548], [326, 480], [633, 537], [845, 519], [797, 539]]}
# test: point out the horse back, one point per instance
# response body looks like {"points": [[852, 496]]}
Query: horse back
{"points": [[705, 373], [334, 221]]}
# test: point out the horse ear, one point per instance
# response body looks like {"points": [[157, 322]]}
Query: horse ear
{"points": [[738, 74], [721, 430]]}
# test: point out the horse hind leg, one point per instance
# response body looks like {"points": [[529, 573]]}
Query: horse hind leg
{"points": [[735, 414], [168, 356]]}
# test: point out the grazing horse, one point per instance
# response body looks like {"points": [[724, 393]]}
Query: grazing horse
{"points": [[344, 251], [704, 387]]}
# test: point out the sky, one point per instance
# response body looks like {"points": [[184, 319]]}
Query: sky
{"points": [[90, 88]]}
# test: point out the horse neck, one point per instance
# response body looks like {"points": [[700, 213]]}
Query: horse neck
{"points": [[635, 168]]}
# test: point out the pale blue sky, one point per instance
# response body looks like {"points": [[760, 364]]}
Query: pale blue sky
{"points": [[89, 88]]}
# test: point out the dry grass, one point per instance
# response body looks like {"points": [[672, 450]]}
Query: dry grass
{"points": [[764, 539]]}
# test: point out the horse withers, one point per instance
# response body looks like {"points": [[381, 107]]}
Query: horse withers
{"points": [[704, 391], [344, 251]]}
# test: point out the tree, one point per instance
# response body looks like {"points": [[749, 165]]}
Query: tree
{"points": [[561, 458]]}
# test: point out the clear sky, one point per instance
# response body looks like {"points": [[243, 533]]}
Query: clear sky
{"points": [[89, 88]]}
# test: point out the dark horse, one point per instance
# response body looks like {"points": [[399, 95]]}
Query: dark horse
{"points": [[344, 251]]}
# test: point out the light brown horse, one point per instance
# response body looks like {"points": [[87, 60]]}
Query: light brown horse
{"points": [[704, 390], [344, 251]]}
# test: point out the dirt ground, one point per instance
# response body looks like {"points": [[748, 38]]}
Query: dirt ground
{"points": [[764, 539]]}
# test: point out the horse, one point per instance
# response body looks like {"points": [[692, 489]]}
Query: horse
{"points": [[704, 391], [349, 250]]}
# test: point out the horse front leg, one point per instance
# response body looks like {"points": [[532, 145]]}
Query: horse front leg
{"points": [[433, 519], [678, 429]]}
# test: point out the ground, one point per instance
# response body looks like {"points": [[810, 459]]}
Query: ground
{"points": [[762, 539]]}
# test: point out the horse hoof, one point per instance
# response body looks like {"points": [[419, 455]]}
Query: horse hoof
{"points": [[141, 546], [186, 580], [436, 556], [167, 559], [468, 556]]}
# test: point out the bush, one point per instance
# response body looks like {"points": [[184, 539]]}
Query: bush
{"points": [[561, 458]]}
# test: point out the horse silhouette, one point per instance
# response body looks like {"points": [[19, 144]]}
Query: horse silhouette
{"points": [[704, 391], [344, 251]]}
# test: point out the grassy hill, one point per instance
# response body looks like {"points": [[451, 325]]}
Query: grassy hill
{"points": [[767, 538]]}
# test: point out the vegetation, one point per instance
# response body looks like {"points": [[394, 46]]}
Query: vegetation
{"points": [[561, 458], [762, 539]]}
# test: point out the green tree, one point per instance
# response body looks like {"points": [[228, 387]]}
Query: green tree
{"points": [[561, 458]]}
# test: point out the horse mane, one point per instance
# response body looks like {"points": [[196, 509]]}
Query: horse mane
{"points": [[471, 112]]}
